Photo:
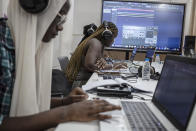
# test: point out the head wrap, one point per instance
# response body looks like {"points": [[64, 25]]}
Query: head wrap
{"points": [[3, 7], [32, 89]]}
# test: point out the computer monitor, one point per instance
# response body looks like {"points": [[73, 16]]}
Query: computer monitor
{"points": [[146, 24]]}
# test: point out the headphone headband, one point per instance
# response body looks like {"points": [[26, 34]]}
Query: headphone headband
{"points": [[34, 6], [105, 24]]}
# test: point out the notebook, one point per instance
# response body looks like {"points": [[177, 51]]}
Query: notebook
{"points": [[172, 103]]}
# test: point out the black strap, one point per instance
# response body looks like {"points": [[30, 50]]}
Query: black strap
{"points": [[3, 19]]}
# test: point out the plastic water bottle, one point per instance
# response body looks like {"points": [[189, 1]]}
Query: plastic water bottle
{"points": [[157, 59], [146, 70]]}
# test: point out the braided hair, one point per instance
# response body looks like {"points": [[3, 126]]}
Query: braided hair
{"points": [[76, 60]]}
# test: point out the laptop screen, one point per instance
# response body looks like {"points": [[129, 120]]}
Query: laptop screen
{"points": [[176, 90]]}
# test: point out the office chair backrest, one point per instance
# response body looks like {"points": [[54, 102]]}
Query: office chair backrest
{"points": [[63, 60]]}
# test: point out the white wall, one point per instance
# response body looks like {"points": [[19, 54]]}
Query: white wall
{"points": [[88, 11], [85, 12]]}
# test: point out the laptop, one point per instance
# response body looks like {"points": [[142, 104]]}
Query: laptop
{"points": [[172, 103]]}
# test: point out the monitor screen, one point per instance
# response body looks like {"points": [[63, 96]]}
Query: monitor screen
{"points": [[146, 24], [176, 92]]}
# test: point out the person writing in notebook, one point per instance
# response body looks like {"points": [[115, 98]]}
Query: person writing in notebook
{"points": [[25, 94], [88, 56]]}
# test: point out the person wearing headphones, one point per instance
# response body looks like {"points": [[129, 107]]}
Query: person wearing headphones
{"points": [[88, 56], [88, 30], [25, 84]]}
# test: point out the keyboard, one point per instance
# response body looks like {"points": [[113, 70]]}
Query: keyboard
{"points": [[109, 76], [140, 117]]}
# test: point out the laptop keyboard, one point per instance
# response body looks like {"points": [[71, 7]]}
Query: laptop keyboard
{"points": [[140, 117]]}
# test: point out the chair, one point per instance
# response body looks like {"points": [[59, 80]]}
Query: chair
{"points": [[63, 60], [60, 85]]}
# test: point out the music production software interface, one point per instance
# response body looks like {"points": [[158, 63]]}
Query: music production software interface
{"points": [[145, 25]]}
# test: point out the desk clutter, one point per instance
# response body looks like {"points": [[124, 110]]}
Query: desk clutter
{"points": [[114, 76], [114, 91], [121, 83], [113, 88], [157, 114], [174, 94]]}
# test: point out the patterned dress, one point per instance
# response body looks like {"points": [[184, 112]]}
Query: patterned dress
{"points": [[7, 68]]}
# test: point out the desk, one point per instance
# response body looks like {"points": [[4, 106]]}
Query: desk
{"points": [[94, 126]]}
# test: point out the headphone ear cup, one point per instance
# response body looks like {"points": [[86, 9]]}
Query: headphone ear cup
{"points": [[107, 34], [34, 6], [90, 31]]}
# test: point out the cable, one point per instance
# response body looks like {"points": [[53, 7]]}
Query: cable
{"points": [[136, 65]]}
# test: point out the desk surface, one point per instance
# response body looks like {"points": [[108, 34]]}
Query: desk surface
{"points": [[94, 126]]}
